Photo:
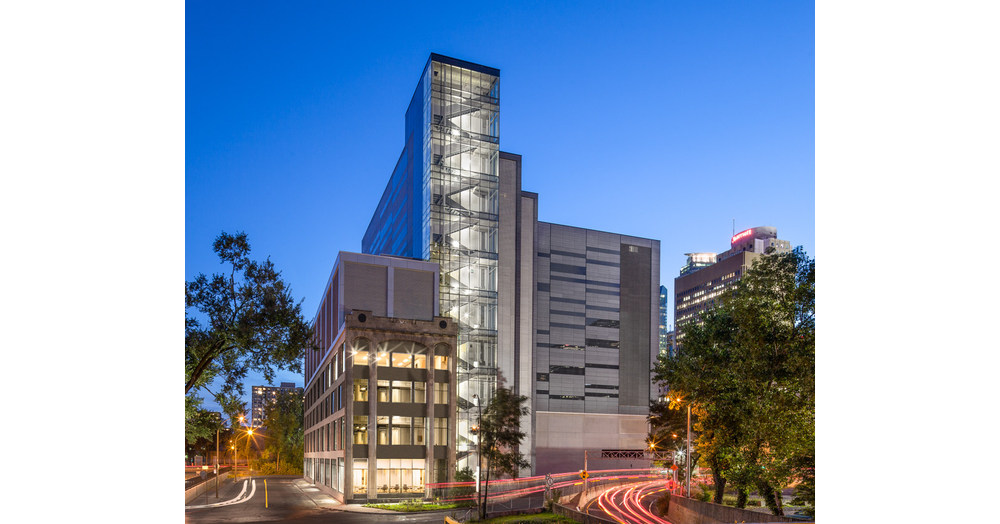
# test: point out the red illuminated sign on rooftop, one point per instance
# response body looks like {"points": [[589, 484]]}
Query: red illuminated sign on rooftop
{"points": [[742, 235]]}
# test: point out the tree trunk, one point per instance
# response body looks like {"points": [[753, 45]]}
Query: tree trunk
{"points": [[771, 497], [486, 486], [720, 482], [720, 487], [742, 495]]}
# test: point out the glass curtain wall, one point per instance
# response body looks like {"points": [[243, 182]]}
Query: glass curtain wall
{"points": [[462, 169]]}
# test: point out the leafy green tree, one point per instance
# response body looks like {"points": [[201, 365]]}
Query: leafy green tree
{"points": [[245, 320], [501, 435], [668, 431], [198, 423], [283, 426], [749, 366]]}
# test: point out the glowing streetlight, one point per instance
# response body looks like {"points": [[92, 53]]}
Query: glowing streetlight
{"points": [[687, 459]]}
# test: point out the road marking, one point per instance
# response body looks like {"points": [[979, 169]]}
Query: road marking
{"points": [[238, 500]]}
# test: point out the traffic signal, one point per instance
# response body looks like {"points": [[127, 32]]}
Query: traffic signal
{"points": [[584, 474]]}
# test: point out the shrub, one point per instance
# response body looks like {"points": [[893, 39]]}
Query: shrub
{"points": [[703, 493], [264, 467], [553, 499], [731, 501]]}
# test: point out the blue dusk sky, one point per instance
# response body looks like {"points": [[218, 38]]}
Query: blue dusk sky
{"points": [[136, 132], [665, 120]]}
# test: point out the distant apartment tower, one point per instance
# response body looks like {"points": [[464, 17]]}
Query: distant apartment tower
{"points": [[262, 396], [701, 284], [379, 413], [563, 315]]}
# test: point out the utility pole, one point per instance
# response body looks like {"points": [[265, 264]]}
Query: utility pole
{"points": [[687, 461], [216, 462], [586, 473]]}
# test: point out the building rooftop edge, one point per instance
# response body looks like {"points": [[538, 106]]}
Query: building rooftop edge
{"points": [[361, 257], [597, 230], [435, 57]]}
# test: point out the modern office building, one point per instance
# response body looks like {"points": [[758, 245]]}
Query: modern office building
{"points": [[700, 288], [596, 319], [669, 350], [380, 392], [664, 319], [563, 315], [262, 396]]}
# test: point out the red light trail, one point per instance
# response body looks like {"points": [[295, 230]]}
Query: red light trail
{"points": [[625, 504]]}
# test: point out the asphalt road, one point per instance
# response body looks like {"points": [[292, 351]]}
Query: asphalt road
{"points": [[287, 500], [629, 503]]}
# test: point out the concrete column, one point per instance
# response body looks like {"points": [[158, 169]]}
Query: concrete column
{"points": [[430, 475], [348, 440], [372, 415]]}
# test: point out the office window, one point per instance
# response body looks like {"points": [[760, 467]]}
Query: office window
{"points": [[401, 431], [440, 392], [441, 432], [383, 391], [419, 392], [382, 430], [361, 389], [419, 431], [402, 360], [360, 430], [402, 391]]}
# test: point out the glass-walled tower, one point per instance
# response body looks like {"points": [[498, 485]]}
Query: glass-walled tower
{"points": [[464, 221], [441, 204]]}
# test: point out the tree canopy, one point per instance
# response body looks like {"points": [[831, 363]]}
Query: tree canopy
{"points": [[284, 430], [241, 321], [749, 367]]}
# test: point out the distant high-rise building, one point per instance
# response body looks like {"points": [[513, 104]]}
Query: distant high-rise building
{"points": [[701, 284], [697, 261], [664, 310], [265, 395]]}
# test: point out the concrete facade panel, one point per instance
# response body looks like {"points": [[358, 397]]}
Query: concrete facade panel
{"points": [[413, 293], [366, 285]]}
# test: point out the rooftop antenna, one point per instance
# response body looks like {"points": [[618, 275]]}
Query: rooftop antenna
{"points": [[734, 227]]}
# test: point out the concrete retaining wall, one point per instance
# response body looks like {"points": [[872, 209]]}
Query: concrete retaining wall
{"points": [[209, 486], [683, 510], [583, 518]]}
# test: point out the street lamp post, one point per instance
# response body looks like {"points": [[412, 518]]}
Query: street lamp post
{"points": [[217, 462], [479, 457], [687, 457], [687, 461], [248, 458], [249, 436]]}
